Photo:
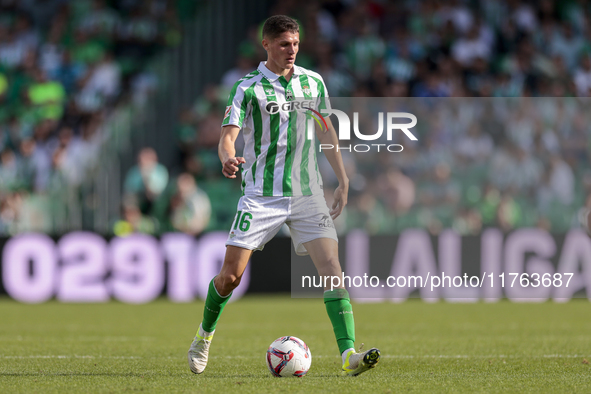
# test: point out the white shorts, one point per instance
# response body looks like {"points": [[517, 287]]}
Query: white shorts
{"points": [[259, 218]]}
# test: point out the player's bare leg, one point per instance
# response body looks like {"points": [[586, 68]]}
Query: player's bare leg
{"points": [[324, 254], [235, 263], [220, 290]]}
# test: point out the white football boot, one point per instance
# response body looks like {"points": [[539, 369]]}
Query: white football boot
{"points": [[199, 350], [357, 363]]}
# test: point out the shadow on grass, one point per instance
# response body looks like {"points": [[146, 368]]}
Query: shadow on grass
{"points": [[268, 376], [150, 374]]}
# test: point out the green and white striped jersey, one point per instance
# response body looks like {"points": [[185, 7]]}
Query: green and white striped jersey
{"points": [[280, 159]]}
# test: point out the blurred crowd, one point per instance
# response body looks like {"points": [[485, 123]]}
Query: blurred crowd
{"points": [[483, 162], [64, 66], [497, 162], [516, 156]]}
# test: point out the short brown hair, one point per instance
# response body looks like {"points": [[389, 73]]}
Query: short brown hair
{"points": [[279, 24]]}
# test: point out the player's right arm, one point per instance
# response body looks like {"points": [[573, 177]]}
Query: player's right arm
{"points": [[227, 151], [237, 110]]}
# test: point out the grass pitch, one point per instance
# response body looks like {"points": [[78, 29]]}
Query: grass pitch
{"points": [[439, 347]]}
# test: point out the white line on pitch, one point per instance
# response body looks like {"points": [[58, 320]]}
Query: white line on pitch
{"points": [[399, 356]]}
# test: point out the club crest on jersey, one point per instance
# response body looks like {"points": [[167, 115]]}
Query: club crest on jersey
{"points": [[227, 113], [306, 89], [288, 94]]}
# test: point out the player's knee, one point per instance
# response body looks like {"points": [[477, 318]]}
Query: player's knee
{"points": [[333, 263], [235, 281], [227, 283], [331, 266]]}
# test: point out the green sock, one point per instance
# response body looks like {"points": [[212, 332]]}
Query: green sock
{"points": [[214, 305], [340, 312]]}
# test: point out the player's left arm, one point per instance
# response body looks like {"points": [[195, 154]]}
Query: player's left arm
{"points": [[335, 159]]}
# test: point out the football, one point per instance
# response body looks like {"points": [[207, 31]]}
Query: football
{"points": [[289, 356]]}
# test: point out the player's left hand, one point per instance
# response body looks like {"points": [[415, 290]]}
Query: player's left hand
{"points": [[340, 200]]}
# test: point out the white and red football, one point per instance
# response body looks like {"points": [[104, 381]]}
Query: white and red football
{"points": [[289, 356]]}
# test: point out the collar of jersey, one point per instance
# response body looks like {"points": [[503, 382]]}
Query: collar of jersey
{"points": [[271, 76]]}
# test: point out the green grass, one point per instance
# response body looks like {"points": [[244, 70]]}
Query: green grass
{"points": [[439, 347]]}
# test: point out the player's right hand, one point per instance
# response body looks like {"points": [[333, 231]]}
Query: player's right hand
{"points": [[231, 166]]}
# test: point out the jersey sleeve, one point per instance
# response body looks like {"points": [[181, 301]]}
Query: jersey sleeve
{"points": [[237, 107], [323, 98]]}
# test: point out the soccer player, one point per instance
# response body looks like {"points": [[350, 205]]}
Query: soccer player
{"points": [[281, 184]]}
